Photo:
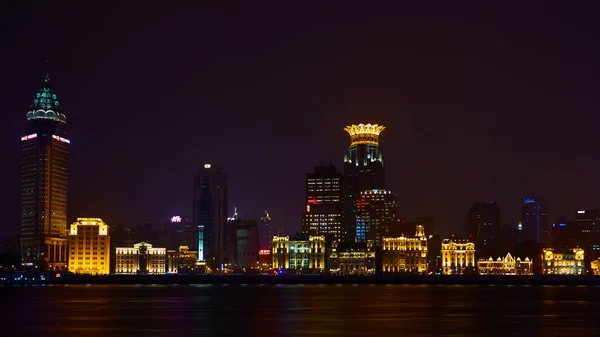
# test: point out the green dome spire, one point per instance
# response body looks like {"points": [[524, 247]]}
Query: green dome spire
{"points": [[45, 104]]}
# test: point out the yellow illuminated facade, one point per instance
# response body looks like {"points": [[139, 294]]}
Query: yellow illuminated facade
{"points": [[356, 258], [299, 252], [596, 267], [181, 260], [566, 262], [505, 266], [89, 247], [142, 258], [458, 256], [364, 133], [405, 254]]}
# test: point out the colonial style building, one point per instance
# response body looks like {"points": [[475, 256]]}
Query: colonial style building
{"points": [[181, 261], [142, 258], [458, 256], [89, 247], [302, 253], [596, 267], [405, 254], [352, 258], [505, 266], [563, 262]]}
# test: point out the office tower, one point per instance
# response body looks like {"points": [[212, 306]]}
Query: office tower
{"points": [[375, 215], [324, 213], [44, 173], [587, 224], [534, 219], [89, 247], [142, 258], [266, 234], [247, 245], [210, 213], [179, 231], [235, 227], [484, 225], [363, 169]]}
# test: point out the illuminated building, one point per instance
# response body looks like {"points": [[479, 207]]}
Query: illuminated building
{"points": [[210, 213], [534, 220], [180, 261], [587, 224], [484, 225], [352, 258], [300, 252], [324, 203], [596, 267], [179, 231], [142, 258], [363, 169], [563, 262], [375, 214], [266, 233], [89, 247], [405, 254], [247, 245], [505, 266], [44, 177], [458, 256]]}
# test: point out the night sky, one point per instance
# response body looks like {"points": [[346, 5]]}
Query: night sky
{"points": [[480, 103]]}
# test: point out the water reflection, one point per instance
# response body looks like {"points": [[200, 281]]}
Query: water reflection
{"points": [[310, 310]]}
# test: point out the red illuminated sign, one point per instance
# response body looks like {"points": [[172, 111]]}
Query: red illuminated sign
{"points": [[264, 252]]}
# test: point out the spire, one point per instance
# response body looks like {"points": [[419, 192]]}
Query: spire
{"points": [[45, 104]]}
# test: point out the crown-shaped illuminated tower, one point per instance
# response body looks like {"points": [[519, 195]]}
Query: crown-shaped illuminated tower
{"points": [[363, 169], [44, 176]]}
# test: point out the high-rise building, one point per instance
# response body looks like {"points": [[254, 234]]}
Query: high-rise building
{"points": [[534, 219], [363, 169], [266, 233], [587, 224], [210, 214], [375, 215], [179, 231], [89, 247], [44, 174], [484, 225], [324, 203], [247, 245]]}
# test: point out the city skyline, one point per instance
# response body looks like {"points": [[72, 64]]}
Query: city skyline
{"points": [[437, 154]]}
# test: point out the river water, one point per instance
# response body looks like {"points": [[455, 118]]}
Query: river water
{"points": [[296, 310]]}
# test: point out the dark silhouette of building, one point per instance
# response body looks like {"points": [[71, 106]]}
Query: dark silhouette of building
{"points": [[484, 226], [324, 213], [534, 219], [266, 233], [210, 214], [375, 215], [247, 245], [179, 231], [363, 169], [44, 177]]}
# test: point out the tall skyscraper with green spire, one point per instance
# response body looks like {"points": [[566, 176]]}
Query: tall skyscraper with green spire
{"points": [[44, 177]]}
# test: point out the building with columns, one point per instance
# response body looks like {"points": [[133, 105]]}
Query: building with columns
{"points": [[458, 256]]}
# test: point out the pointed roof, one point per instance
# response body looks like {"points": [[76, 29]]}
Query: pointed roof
{"points": [[45, 104]]}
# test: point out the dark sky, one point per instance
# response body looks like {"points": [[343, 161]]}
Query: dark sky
{"points": [[481, 103]]}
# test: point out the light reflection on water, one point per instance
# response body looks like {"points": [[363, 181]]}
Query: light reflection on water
{"points": [[301, 310]]}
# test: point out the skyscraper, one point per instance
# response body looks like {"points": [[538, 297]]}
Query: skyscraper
{"points": [[266, 234], [484, 225], [44, 174], [210, 213], [179, 231], [534, 215], [363, 168], [324, 203], [375, 215]]}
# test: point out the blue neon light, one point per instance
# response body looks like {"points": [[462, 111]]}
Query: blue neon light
{"points": [[528, 200]]}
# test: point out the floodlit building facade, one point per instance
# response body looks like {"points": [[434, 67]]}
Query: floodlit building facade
{"points": [[89, 247], [300, 252], [181, 261], [352, 258], [458, 256], [142, 258], [505, 266], [596, 267], [563, 262], [405, 254]]}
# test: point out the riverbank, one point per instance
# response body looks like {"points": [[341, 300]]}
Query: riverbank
{"points": [[535, 280]]}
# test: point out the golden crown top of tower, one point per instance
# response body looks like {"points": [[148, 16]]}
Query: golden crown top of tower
{"points": [[364, 133]]}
